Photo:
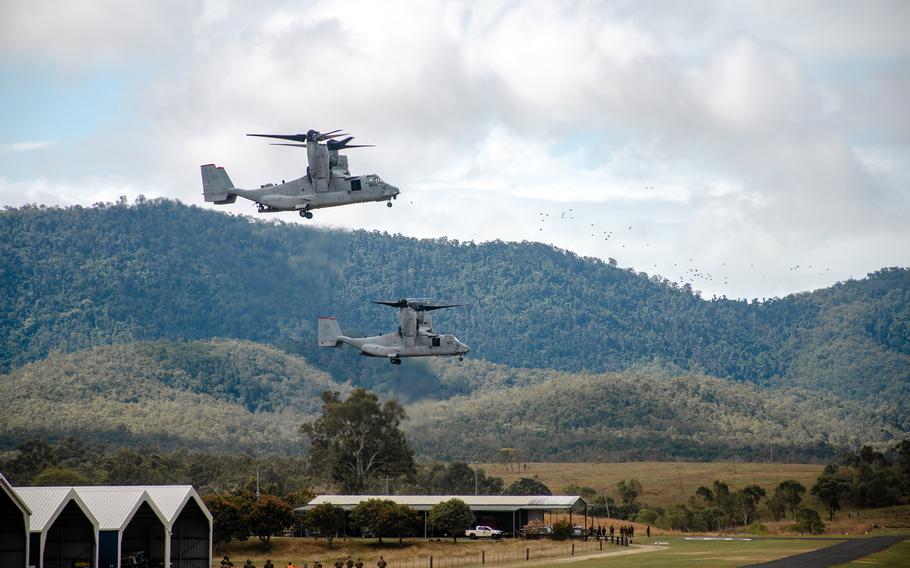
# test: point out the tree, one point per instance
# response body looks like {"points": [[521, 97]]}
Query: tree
{"points": [[452, 517], [830, 491], [527, 486], [629, 491], [368, 515], [358, 440], [808, 521], [59, 476], [228, 521], [326, 519], [399, 520], [269, 516], [790, 494]]}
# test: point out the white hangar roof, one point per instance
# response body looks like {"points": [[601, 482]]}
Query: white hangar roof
{"points": [[114, 507], [46, 503], [505, 503]]}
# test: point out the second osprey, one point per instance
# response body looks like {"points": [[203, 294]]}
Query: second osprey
{"points": [[328, 181], [415, 336]]}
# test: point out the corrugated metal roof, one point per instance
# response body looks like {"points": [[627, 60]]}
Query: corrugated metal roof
{"points": [[477, 502], [47, 502], [170, 499], [114, 507]]}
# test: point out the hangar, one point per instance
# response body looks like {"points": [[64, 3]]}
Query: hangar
{"points": [[14, 518], [104, 526], [62, 531], [505, 512]]}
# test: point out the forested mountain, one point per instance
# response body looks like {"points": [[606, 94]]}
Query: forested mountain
{"points": [[222, 395], [237, 396], [78, 277]]}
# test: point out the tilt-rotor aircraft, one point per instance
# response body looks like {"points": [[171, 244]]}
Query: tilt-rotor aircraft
{"points": [[328, 181], [415, 336]]}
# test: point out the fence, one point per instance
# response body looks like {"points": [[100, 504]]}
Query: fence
{"points": [[484, 557]]}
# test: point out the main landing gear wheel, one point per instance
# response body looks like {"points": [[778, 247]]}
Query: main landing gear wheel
{"points": [[306, 214], [396, 361], [388, 204], [461, 358]]}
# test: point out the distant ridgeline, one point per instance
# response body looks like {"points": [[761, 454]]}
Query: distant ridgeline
{"points": [[78, 277]]}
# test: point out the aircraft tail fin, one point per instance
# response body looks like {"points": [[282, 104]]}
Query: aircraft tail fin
{"points": [[329, 332], [217, 186]]}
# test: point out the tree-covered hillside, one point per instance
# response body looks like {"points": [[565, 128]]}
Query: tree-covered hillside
{"points": [[223, 395], [77, 277], [237, 396]]}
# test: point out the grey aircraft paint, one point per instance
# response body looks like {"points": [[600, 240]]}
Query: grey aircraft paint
{"points": [[327, 183]]}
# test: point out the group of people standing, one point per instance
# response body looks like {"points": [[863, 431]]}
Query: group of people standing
{"points": [[340, 563], [626, 532]]}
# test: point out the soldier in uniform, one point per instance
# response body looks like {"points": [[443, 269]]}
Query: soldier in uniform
{"points": [[382, 563], [226, 562], [268, 564], [248, 564], [358, 564], [350, 562], [339, 563]]}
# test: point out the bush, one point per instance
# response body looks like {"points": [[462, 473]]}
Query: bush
{"points": [[757, 528], [647, 516], [562, 530], [808, 521]]}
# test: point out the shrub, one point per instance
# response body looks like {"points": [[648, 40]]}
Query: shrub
{"points": [[647, 516], [808, 521], [562, 529], [757, 528]]}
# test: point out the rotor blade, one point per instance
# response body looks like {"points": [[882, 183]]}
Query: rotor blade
{"points": [[425, 308], [398, 304], [283, 144], [326, 135], [293, 137]]}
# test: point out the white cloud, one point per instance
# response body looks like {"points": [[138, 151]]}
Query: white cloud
{"points": [[488, 114], [26, 146]]}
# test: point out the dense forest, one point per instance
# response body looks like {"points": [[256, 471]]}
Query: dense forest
{"points": [[159, 322], [115, 273]]}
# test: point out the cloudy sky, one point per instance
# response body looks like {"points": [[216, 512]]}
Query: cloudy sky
{"points": [[752, 149]]}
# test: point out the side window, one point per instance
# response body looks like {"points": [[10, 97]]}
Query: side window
{"points": [[355, 184], [435, 342]]}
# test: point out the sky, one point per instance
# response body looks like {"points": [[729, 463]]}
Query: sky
{"points": [[749, 149]]}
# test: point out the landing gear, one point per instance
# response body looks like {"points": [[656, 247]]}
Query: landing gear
{"points": [[388, 203], [396, 361], [460, 358], [306, 214]]}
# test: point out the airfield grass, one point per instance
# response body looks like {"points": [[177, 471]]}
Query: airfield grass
{"points": [[708, 554], [660, 482]]}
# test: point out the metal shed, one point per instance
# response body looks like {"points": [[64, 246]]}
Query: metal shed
{"points": [[505, 512], [129, 525], [188, 522], [63, 533], [14, 519]]}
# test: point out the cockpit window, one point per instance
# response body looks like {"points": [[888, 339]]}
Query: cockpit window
{"points": [[373, 180]]}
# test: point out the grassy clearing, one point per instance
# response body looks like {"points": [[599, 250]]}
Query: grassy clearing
{"points": [[709, 554], [412, 553], [659, 479]]}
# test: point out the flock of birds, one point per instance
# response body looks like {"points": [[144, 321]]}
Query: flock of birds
{"points": [[690, 274]]}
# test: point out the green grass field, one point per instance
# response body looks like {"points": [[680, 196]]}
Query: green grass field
{"points": [[708, 554], [660, 481]]}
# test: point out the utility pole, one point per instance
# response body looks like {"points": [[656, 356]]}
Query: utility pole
{"points": [[475, 481], [679, 478]]}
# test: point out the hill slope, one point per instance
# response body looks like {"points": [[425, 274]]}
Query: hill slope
{"points": [[218, 395], [78, 277], [240, 396]]}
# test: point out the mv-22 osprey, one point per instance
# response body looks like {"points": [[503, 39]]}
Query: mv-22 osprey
{"points": [[328, 181], [414, 338]]}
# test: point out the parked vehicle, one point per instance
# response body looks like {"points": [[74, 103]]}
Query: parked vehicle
{"points": [[483, 531]]}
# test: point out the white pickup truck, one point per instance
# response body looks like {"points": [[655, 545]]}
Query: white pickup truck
{"points": [[482, 531]]}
